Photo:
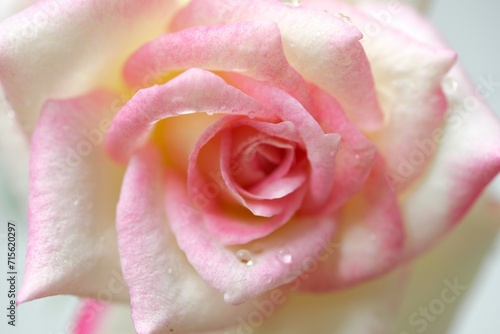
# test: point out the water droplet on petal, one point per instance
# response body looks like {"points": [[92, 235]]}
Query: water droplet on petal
{"points": [[245, 257], [344, 18], [210, 112], [293, 3], [285, 256], [251, 114], [449, 86], [11, 114]]}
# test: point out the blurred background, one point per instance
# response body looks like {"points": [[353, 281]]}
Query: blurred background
{"points": [[471, 254]]}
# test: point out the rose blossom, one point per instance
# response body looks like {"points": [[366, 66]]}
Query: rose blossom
{"points": [[271, 147]]}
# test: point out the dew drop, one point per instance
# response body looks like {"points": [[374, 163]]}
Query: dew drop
{"points": [[251, 114], [245, 257], [210, 112], [449, 86], [292, 3], [285, 256], [344, 18]]}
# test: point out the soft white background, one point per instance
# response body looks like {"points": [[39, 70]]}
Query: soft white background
{"points": [[471, 253]]}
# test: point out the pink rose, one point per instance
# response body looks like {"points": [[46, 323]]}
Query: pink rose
{"points": [[227, 154]]}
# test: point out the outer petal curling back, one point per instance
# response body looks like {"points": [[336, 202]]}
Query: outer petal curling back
{"points": [[74, 188]]}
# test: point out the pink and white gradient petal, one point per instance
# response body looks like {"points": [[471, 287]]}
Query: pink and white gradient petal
{"points": [[467, 153], [278, 261], [74, 188], [194, 91], [252, 48], [467, 159], [323, 49], [367, 309], [167, 294], [321, 148], [408, 75], [370, 237], [90, 317], [356, 155], [232, 230], [61, 48], [114, 319]]}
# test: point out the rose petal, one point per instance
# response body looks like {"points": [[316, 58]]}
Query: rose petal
{"points": [[356, 155], [89, 317], [259, 207], [284, 179], [370, 239], [74, 188], [229, 230], [60, 48], [371, 308], [194, 91], [252, 48], [219, 265], [204, 189], [467, 159], [408, 75], [111, 319], [321, 148], [166, 294], [323, 49], [221, 173], [467, 153]]}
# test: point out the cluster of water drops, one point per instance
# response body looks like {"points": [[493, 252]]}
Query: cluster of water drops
{"points": [[284, 255]]}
